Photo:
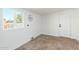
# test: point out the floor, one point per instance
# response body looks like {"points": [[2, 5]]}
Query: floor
{"points": [[48, 42]]}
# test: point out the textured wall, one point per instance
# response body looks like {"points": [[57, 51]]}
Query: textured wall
{"points": [[13, 38], [69, 20]]}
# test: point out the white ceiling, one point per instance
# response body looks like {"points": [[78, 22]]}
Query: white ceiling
{"points": [[44, 11]]}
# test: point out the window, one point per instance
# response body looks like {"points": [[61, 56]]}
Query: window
{"points": [[12, 19]]}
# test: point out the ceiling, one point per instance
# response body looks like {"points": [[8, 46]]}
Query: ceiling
{"points": [[44, 11]]}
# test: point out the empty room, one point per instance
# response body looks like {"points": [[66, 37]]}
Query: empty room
{"points": [[39, 29]]}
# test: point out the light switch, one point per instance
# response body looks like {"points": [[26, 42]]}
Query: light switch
{"points": [[27, 24], [59, 25]]}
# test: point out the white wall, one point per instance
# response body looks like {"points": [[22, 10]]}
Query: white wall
{"points": [[1, 33], [47, 24], [69, 20], [12, 39]]}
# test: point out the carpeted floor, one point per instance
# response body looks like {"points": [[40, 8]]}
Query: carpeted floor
{"points": [[47, 42]]}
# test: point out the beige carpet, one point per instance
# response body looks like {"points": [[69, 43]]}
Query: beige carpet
{"points": [[47, 42]]}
